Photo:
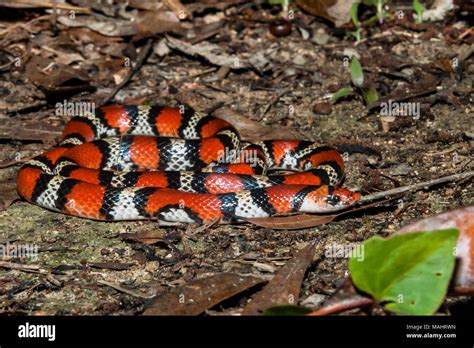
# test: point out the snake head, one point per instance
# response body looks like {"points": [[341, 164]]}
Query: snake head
{"points": [[329, 199]]}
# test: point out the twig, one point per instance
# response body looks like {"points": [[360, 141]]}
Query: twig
{"points": [[274, 101], [125, 290], [21, 267], [140, 60], [14, 163], [418, 186], [179, 9]]}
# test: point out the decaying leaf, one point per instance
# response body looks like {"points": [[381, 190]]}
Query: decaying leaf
{"points": [[292, 222], [150, 23], [217, 55], [253, 131], [196, 296], [146, 237], [53, 77], [462, 219], [336, 11], [285, 286], [8, 194], [213, 53], [101, 24]]}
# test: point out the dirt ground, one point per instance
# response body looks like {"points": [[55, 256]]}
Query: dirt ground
{"points": [[79, 255]]}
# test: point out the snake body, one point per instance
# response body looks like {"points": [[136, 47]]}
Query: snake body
{"points": [[172, 164]]}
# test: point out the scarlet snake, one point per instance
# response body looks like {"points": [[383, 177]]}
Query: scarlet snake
{"points": [[166, 163]]}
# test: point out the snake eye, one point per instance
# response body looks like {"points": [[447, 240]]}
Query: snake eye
{"points": [[333, 199]]}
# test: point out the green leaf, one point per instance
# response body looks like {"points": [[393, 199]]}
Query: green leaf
{"points": [[418, 8], [354, 11], [411, 272], [370, 95], [343, 92], [356, 72], [286, 310]]}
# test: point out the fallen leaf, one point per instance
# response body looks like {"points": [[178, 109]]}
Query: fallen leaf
{"points": [[42, 4], [150, 23], [196, 296], [53, 77], [285, 286], [101, 24], [146, 237], [218, 55], [446, 66], [150, 237], [336, 11], [215, 54], [462, 219], [292, 222], [8, 194]]}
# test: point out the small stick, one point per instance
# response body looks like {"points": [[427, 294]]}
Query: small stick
{"points": [[14, 163], [418, 186], [21, 267], [179, 9], [125, 290]]}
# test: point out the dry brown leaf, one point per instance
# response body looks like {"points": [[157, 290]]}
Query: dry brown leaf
{"points": [[292, 222], [285, 286], [253, 131], [345, 297], [198, 295], [8, 194], [101, 24], [63, 57], [150, 23], [336, 11], [463, 219], [219, 55], [150, 237], [446, 66], [42, 3], [86, 36], [54, 77]]}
